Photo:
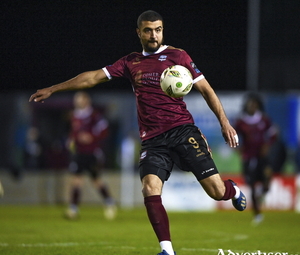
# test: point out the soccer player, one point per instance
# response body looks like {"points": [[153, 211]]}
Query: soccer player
{"points": [[297, 158], [1, 190], [167, 129], [88, 128], [257, 134]]}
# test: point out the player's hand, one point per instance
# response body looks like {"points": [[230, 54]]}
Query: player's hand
{"points": [[230, 135], [40, 95], [85, 138]]}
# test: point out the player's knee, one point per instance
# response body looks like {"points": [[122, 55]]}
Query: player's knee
{"points": [[152, 185], [149, 190]]}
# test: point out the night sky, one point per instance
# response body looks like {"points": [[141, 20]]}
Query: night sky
{"points": [[47, 42]]}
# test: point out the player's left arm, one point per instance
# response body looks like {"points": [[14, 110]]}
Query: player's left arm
{"points": [[215, 105]]}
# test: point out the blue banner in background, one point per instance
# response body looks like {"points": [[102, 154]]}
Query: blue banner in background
{"points": [[206, 120], [283, 110], [293, 119]]}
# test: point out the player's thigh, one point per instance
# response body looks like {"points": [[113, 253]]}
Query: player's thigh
{"points": [[193, 154], [155, 161], [77, 180]]}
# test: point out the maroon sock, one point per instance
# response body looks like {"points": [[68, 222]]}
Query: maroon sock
{"points": [[103, 190], [158, 217], [229, 190], [75, 196]]}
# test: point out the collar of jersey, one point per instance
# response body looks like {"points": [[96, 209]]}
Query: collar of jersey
{"points": [[158, 51], [83, 113], [253, 119]]}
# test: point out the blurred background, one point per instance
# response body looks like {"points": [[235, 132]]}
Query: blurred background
{"points": [[240, 46]]}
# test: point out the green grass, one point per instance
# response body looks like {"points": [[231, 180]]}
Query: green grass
{"points": [[42, 230]]}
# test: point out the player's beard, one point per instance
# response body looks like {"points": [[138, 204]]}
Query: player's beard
{"points": [[152, 49]]}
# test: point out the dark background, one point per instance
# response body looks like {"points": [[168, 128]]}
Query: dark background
{"points": [[46, 42]]}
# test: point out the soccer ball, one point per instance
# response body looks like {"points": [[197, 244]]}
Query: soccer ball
{"points": [[176, 81]]}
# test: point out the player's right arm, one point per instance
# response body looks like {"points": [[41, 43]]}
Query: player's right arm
{"points": [[215, 105], [81, 81]]}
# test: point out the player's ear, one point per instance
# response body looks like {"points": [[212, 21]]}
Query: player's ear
{"points": [[138, 32]]}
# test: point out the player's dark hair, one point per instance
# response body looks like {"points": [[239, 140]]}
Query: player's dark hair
{"points": [[148, 16], [256, 98]]}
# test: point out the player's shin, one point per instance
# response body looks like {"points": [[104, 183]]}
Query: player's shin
{"points": [[159, 220]]}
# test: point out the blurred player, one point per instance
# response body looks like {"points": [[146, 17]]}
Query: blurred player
{"points": [[297, 158], [1, 190], [88, 128], [167, 128], [257, 134]]}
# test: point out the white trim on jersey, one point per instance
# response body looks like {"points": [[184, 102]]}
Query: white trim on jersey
{"points": [[83, 113], [198, 78], [107, 73]]}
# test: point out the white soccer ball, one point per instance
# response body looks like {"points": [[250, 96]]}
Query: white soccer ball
{"points": [[176, 81]]}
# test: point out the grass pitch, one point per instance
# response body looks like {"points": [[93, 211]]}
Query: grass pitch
{"points": [[42, 230]]}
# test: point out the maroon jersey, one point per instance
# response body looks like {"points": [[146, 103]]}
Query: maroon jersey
{"points": [[157, 112], [254, 131], [88, 122]]}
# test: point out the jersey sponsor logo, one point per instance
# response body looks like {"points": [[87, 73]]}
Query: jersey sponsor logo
{"points": [[162, 58], [193, 65]]}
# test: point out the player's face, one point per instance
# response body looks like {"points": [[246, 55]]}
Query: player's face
{"points": [[151, 35], [81, 101], [251, 107]]}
